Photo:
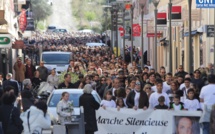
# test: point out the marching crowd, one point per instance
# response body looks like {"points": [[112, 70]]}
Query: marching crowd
{"points": [[119, 82]]}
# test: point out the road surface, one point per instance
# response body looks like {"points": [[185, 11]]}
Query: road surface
{"points": [[62, 15]]}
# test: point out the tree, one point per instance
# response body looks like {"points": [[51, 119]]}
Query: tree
{"points": [[41, 10]]}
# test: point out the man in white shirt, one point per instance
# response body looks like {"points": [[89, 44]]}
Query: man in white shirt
{"points": [[153, 100], [207, 97], [183, 84], [185, 89], [167, 83]]}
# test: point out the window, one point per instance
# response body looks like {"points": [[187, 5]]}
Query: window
{"points": [[56, 58]]}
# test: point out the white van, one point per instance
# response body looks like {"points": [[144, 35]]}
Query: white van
{"points": [[56, 59]]}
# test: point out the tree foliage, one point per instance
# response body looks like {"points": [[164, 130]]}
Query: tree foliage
{"points": [[41, 10], [87, 11]]}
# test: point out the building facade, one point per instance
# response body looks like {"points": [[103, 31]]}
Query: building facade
{"points": [[202, 41]]}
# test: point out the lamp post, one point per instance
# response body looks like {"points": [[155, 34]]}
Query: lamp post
{"points": [[170, 35], [117, 46], [190, 59], [123, 24], [142, 47], [155, 2], [132, 43]]}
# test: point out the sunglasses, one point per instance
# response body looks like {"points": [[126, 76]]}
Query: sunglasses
{"points": [[137, 83]]}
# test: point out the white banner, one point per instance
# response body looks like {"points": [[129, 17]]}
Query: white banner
{"points": [[129, 121]]}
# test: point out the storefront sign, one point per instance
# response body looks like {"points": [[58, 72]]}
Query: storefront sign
{"points": [[5, 41], [22, 2], [136, 30], [153, 35], [176, 12], [23, 20], [210, 30], [205, 3], [161, 19], [130, 121]]}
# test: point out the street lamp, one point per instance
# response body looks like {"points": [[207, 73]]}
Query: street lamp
{"points": [[155, 2], [190, 59], [170, 35], [142, 5]]}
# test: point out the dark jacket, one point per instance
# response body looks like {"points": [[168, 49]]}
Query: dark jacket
{"points": [[43, 73], [143, 100], [63, 85], [27, 99], [16, 124], [12, 83], [29, 72], [90, 105], [161, 107], [183, 73]]}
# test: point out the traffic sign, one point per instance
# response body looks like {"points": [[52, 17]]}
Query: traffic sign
{"points": [[122, 31], [5, 41]]}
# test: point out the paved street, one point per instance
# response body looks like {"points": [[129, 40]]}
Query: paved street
{"points": [[62, 15]]}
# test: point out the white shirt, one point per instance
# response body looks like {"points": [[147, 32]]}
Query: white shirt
{"points": [[136, 98], [208, 94], [182, 86], [191, 105], [107, 103], [166, 85], [165, 89], [153, 100], [177, 107]]}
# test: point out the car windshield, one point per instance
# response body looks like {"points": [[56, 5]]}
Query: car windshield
{"points": [[56, 58], [72, 97], [51, 28]]}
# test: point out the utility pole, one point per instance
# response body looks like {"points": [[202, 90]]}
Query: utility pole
{"points": [[132, 42], [142, 47], [155, 2], [170, 36]]}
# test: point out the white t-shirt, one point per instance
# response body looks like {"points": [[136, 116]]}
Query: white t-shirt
{"points": [[208, 94], [107, 103], [177, 107], [165, 89], [182, 86], [153, 100], [191, 105], [136, 98]]}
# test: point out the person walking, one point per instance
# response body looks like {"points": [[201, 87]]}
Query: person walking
{"points": [[90, 105], [19, 69], [207, 99], [64, 109], [11, 122], [36, 118], [43, 71]]}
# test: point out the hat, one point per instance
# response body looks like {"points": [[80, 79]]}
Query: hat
{"points": [[88, 89]]}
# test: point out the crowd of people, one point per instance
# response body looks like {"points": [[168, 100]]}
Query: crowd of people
{"points": [[119, 82]]}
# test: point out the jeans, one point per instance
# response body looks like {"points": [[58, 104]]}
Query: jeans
{"points": [[206, 127]]}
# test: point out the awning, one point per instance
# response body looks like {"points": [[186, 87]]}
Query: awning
{"points": [[194, 32], [163, 39]]}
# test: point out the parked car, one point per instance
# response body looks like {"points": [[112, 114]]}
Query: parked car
{"points": [[55, 97], [51, 28], [60, 31], [56, 59], [95, 44]]}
